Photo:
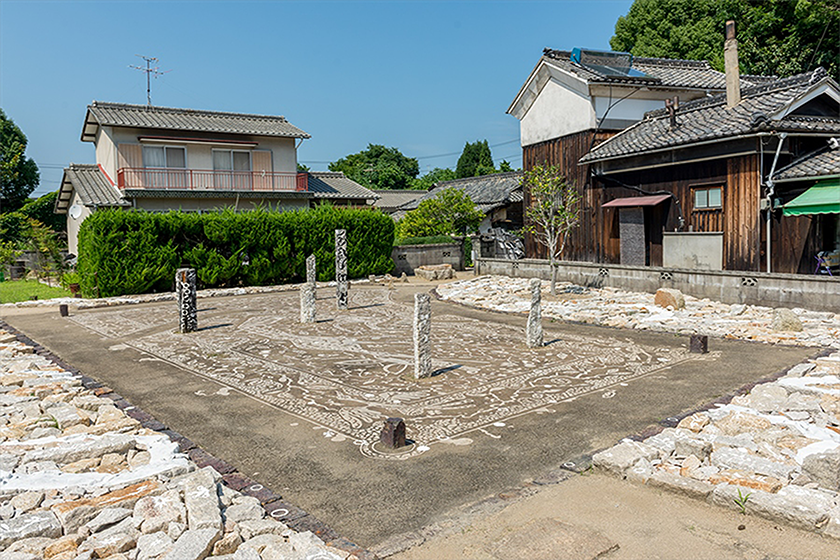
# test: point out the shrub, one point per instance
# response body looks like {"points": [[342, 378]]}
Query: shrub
{"points": [[41, 209], [451, 211], [135, 252]]}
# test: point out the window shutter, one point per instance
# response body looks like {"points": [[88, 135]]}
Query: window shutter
{"points": [[129, 155], [261, 161]]}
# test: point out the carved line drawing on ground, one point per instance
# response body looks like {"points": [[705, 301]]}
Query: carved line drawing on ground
{"points": [[347, 374]]}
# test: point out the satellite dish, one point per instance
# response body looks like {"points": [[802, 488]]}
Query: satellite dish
{"points": [[75, 211]]}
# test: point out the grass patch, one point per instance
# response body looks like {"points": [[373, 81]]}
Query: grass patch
{"points": [[23, 290]]}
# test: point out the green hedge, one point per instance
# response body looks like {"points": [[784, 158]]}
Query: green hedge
{"points": [[137, 252]]}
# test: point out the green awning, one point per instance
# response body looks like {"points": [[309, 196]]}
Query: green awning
{"points": [[822, 198]]}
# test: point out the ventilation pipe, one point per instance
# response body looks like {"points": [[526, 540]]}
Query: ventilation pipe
{"points": [[730, 59], [771, 191]]}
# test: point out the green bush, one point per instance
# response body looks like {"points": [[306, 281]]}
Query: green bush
{"points": [[135, 252], [451, 211], [41, 209]]}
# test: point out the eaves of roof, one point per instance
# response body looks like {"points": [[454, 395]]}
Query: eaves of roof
{"points": [[92, 186], [823, 163], [189, 120], [709, 120], [219, 194]]}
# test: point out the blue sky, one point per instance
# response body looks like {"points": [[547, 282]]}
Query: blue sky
{"points": [[425, 77]]}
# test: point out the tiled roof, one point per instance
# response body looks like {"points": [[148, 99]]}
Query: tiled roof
{"points": [[330, 184], [824, 162], [92, 186], [390, 200], [710, 118], [189, 120], [487, 191], [665, 72]]}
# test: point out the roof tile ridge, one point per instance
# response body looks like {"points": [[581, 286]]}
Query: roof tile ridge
{"points": [[465, 179], [819, 151], [674, 62], [162, 109], [749, 92], [813, 118], [611, 138]]}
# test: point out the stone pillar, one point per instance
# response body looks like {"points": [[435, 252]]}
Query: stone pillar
{"points": [[422, 336], [341, 268], [699, 344], [185, 279], [307, 303], [392, 435], [534, 332], [311, 271]]}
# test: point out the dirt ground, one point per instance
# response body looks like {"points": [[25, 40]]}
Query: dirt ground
{"points": [[229, 388], [597, 516]]}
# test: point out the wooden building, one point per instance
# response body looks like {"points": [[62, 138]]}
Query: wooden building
{"points": [[678, 165], [574, 100], [716, 159]]}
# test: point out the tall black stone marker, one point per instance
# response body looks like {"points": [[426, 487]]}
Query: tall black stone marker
{"points": [[341, 268], [185, 279]]}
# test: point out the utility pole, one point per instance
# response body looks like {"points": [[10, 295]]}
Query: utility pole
{"points": [[149, 72]]}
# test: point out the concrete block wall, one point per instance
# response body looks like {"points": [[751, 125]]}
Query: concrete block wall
{"points": [[408, 257], [819, 293]]}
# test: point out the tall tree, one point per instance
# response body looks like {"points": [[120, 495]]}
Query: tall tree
{"points": [[781, 37], [378, 167], [450, 212], [554, 212], [436, 175], [18, 174], [475, 160]]}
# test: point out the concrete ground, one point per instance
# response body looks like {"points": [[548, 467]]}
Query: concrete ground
{"points": [[299, 407], [589, 516]]}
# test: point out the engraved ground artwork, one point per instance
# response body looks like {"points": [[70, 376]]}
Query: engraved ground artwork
{"points": [[352, 369]]}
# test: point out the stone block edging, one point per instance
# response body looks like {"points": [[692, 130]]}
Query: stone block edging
{"points": [[273, 503]]}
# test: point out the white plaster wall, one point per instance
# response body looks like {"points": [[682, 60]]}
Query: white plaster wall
{"points": [[557, 111], [199, 156], [106, 151], [626, 109], [73, 225], [485, 225]]}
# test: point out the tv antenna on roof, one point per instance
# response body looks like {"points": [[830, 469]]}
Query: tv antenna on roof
{"points": [[149, 72]]}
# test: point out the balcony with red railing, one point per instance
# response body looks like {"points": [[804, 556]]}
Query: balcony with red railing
{"points": [[210, 180]]}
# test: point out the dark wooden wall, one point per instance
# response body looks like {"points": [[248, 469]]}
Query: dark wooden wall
{"points": [[741, 216], [588, 242], [596, 239]]}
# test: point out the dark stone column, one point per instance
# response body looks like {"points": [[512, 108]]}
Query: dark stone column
{"points": [[392, 435], [341, 268], [185, 280]]}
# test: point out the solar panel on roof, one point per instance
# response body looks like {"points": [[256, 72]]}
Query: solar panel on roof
{"points": [[607, 63]]}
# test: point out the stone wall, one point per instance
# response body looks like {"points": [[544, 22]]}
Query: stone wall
{"points": [[408, 257], [819, 293]]}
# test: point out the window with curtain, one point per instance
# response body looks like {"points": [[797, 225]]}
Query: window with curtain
{"points": [[231, 160], [165, 157], [238, 163]]}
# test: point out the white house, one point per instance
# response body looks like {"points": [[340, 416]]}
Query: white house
{"points": [[159, 158], [574, 91]]}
